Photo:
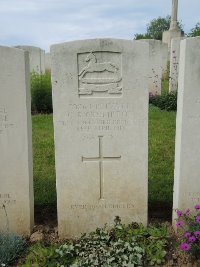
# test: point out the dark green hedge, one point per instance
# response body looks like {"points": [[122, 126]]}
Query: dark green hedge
{"points": [[41, 93], [167, 101]]}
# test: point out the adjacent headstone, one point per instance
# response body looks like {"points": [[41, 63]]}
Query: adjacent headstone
{"points": [[47, 62], [165, 61], [158, 60], [36, 58], [16, 183], [187, 155], [174, 63], [174, 30], [100, 99]]}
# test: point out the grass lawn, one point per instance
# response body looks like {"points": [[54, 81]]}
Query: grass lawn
{"points": [[161, 159]]}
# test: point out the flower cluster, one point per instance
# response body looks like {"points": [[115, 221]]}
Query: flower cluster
{"points": [[188, 223]]}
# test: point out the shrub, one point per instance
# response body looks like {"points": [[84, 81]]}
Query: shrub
{"points": [[167, 101], [11, 246], [188, 223], [41, 93]]}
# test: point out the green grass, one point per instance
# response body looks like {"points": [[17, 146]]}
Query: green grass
{"points": [[161, 158], [44, 161], [165, 87]]}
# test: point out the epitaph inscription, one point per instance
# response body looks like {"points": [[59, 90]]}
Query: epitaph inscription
{"points": [[99, 74], [4, 120], [101, 206], [6, 200]]}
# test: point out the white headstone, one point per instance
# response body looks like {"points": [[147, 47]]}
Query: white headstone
{"points": [[100, 100], [47, 62], [174, 63], [158, 59], [187, 155], [36, 57], [165, 61], [16, 183]]}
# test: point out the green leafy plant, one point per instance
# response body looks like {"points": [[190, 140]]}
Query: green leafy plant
{"points": [[101, 248], [41, 93], [188, 224], [11, 247], [122, 245], [43, 255], [130, 245]]}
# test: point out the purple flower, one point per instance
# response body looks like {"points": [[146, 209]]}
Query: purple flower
{"points": [[198, 219], [192, 238], [187, 212], [184, 246], [197, 206], [179, 223], [179, 213], [187, 234], [197, 233]]}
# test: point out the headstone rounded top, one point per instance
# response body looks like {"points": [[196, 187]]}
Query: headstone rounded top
{"points": [[100, 41], [12, 49], [28, 47]]}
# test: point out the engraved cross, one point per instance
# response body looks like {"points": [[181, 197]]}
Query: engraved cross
{"points": [[101, 159]]}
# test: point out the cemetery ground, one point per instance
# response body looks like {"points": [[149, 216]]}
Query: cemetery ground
{"points": [[161, 166]]}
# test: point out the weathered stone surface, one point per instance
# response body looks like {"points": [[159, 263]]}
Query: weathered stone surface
{"points": [[47, 61], [158, 59], [174, 63], [187, 155], [100, 99], [36, 58], [174, 30], [16, 185], [169, 35], [165, 61]]}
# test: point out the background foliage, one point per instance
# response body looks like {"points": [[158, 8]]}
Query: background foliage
{"points": [[41, 93], [156, 27]]}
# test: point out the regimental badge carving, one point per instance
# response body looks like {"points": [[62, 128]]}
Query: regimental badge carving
{"points": [[99, 74]]}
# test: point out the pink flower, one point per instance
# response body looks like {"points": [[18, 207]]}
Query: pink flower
{"points": [[184, 246], [198, 219], [197, 206], [192, 238], [187, 234], [187, 212], [197, 233], [179, 223], [179, 213]]}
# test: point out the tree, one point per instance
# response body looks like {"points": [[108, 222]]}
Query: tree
{"points": [[195, 31], [156, 27]]}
